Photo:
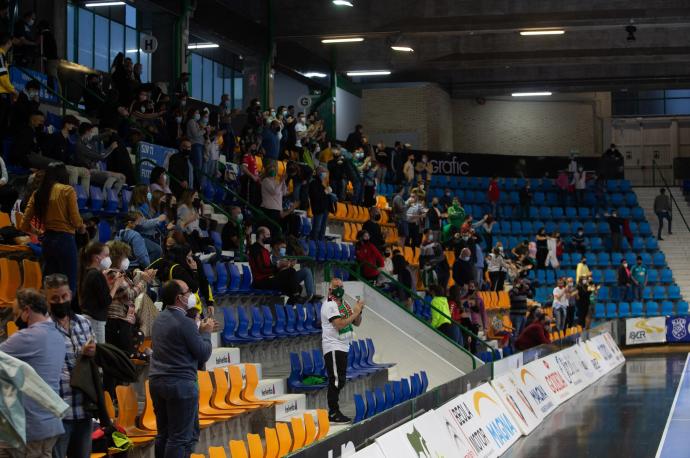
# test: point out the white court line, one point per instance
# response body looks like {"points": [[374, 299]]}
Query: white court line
{"points": [[673, 408]]}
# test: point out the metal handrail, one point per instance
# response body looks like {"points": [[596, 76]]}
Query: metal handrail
{"points": [[673, 199], [355, 273], [64, 101], [255, 210], [212, 204]]}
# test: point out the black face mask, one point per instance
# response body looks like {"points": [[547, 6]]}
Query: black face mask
{"points": [[21, 324], [186, 152], [39, 128], [377, 217], [61, 310], [196, 202]]}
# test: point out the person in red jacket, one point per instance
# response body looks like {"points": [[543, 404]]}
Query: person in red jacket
{"points": [[494, 193], [368, 257], [535, 334]]}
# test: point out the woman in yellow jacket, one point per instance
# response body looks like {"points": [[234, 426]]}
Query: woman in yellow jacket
{"points": [[52, 212], [440, 314]]}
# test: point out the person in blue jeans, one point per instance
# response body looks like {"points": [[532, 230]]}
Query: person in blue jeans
{"points": [[180, 349], [638, 275], [303, 275]]}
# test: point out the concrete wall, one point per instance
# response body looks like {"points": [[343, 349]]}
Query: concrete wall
{"points": [[287, 90], [419, 114], [348, 112], [503, 125]]}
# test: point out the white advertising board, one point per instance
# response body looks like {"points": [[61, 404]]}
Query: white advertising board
{"points": [[592, 357], [539, 394], [517, 402], [568, 367], [645, 330], [372, 451], [617, 353], [547, 372], [458, 415]]}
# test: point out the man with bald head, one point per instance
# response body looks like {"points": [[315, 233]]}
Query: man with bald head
{"points": [[337, 318], [178, 350]]}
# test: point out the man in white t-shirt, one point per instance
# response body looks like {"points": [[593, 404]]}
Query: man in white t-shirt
{"points": [[300, 129], [560, 303], [337, 318]]}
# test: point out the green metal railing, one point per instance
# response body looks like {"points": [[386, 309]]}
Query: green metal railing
{"points": [[64, 102], [218, 208], [356, 274]]}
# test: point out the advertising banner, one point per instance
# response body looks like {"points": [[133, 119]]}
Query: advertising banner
{"points": [[678, 329], [507, 365], [19, 80], [570, 369], [588, 372], [373, 451], [222, 357], [604, 349], [539, 394], [156, 153], [517, 402], [460, 418], [424, 436], [592, 357], [487, 406], [617, 353], [547, 369], [645, 330]]}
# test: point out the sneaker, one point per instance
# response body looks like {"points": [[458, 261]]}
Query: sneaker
{"points": [[338, 417]]}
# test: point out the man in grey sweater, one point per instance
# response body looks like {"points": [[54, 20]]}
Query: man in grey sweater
{"points": [[662, 208], [178, 350]]}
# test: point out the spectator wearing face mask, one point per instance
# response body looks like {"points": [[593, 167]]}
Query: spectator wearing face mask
{"points": [[319, 202], [542, 248], [579, 183], [477, 320], [27, 102], [495, 263], [415, 218], [494, 194], [441, 315], [373, 227], [300, 130], [95, 295], [58, 146], [181, 169], [270, 142], [424, 170], [264, 273], [456, 218], [624, 282], [337, 174], [408, 172], [145, 250], [552, 242], [368, 256], [560, 304], [535, 334], [233, 230], [27, 149], [355, 138], [159, 181], [518, 304], [463, 268], [582, 271], [526, 195], [273, 189], [25, 46], [399, 214], [90, 151], [182, 265], [585, 289], [195, 131], [578, 242], [303, 275]]}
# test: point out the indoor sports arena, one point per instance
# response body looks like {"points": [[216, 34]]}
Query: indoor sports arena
{"points": [[344, 228]]}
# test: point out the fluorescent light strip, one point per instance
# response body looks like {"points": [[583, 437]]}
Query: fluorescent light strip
{"points": [[342, 40], [342, 3], [314, 75], [131, 51], [402, 48], [202, 45], [530, 33], [96, 4], [530, 94], [369, 73]]}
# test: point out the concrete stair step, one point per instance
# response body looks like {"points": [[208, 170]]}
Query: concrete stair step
{"points": [[271, 388]]}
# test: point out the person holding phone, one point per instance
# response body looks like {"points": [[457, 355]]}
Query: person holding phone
{"points": [[337, 319]]}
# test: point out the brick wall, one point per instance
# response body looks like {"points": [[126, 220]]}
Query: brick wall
{"points": [[436, 122]]}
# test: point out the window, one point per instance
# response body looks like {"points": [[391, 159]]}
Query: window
{"points": [[130, 16], [210, 80], [101, 53], [117, 41], [651, 103], [70, 33], [85, 54]]}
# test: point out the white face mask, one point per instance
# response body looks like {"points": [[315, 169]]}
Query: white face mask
{"points": [[124, 265], [106, 263], [191, 301]]}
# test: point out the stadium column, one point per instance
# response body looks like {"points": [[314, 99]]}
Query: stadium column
{"points": [[268, 73], [169, 60]]}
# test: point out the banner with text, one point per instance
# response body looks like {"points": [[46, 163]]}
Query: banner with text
{"points": [[466, 427], [517, 402], [487, 406], [19, 80], [156, 153], [552, 378], [645, 330]]}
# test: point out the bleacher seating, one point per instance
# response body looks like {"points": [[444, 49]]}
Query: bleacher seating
{"points": [[392, 394]]}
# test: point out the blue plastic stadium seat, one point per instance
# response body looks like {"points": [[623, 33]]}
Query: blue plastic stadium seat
{"points": [[644, 229], [603, 259], [616, 259], [221, 278], [666, 275], [406, 394], [610, 277], [599, 311], [652, 309], [611, 310], [235, 277], [210, 275], [380, 400], [651, 244], [596, 244], [659, 259], [667, 308], [682, 308], [296, 373], [637, 309], [638, 213], [590, 228], [564, 228], [256, 330], [96, 196], [584, 212], [673, 292], [538, 198], [647, 293], [603, 294], [267, 330], [623, 310], [652, 276]]}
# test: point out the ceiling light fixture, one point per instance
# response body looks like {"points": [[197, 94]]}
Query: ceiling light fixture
{"points": [[97, 4], [532, 33], [342, 40], [369, 73], [202, 45], [343, 3], [402, 48], [531, 94], [314, 75], [131, 51]]}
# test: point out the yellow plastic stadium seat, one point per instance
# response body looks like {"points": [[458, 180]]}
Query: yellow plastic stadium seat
{"points": [[351, 214], [10, 279], [272, 446], [197, 455], [32, 274], [324, 423], [259, 164], [341, 211], [284, 439], [5, 219], [127, 413], [408, 254], [219, 399], [381, 202], [98, 455], [238, 449], [11, 328], [415, 258], [205, 394], [256, 448], [298, 433], [234, 394], [251, 382], [309, 429], [216, 452]]}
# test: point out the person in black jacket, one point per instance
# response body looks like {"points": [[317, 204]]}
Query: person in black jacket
{"points": [[400, 268], [463, 268], [373, 227], [355, 139], [50, 53], [518, 304], [182, 265], [319, 201], [180, 167], [28, 102], [27, 149]]}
